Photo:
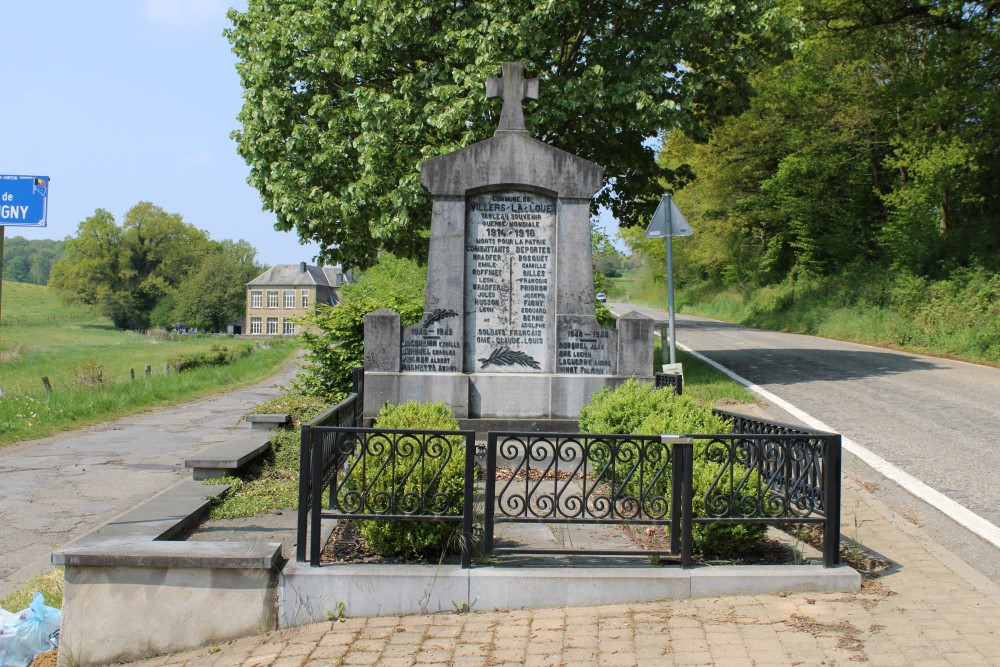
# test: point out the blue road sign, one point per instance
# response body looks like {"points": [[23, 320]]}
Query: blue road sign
{"points": [[24, 201]]}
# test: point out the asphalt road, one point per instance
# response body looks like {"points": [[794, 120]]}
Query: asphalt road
{"points": [[936, 419], [56, 489]]}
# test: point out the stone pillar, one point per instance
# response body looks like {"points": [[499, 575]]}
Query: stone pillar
{"points": [[635, 345], [383, 340]]}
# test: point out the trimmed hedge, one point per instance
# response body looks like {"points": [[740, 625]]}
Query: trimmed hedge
{"points": [[218, 355], [418, 539], [637, 408]]}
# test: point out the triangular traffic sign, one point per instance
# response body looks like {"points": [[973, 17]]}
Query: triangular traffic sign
{"points": [[668, 221]]}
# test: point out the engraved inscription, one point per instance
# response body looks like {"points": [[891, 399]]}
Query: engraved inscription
{"points": [[509, 286], [585, 351], [433, 345]]}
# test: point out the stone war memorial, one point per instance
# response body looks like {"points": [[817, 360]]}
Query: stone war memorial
{"points": [[508, 330]]}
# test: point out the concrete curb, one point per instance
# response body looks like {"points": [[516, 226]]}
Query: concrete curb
{"points": [[307, 594]]}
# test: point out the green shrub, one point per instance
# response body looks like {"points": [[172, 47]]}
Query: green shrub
{"points": [[421, 539], [639, 409], [218, 355], [334, 337]]}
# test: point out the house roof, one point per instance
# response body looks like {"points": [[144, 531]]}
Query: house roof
{"points": [[298, 274]]}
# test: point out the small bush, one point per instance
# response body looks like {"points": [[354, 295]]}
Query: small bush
{"points": [[218, 355], [639, 409], [420, 539]]}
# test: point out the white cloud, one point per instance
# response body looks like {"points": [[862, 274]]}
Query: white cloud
{"points": [[186, 14]]}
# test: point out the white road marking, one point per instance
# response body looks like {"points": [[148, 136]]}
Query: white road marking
{"points": [[962, 515]]}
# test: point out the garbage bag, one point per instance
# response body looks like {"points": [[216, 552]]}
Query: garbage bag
{"points": [[28, 633]]}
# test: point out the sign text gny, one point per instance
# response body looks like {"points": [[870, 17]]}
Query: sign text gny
{"points": [[24, 200]]}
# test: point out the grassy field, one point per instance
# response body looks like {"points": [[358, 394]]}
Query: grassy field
{"points": [[88, 364]]}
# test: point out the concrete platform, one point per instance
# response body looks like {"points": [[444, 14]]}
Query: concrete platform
{"points": [[227, 457]]}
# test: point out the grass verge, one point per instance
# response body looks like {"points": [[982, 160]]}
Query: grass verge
{"points": [[49, 584], [271, 482], [30, 416], [702, 382], [957, 317]]}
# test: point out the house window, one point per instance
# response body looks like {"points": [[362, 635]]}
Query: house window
{"points": [[305, 298], [272, 298], [289, 298], [288, 327], [255, 325], [339, 279], [272, 325], [256, 299]]}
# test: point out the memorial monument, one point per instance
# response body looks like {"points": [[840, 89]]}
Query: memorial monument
{"points": [[509, 330]]}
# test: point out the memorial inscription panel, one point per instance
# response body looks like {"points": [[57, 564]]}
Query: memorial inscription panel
{"points": [[433, 345], [586, 349], [510, 287]]}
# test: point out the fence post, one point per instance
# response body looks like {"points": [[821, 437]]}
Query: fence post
{"points": [[304, 480], [683, 453], [676, 481], [831, 484], [470, 481], [149, 369], [491, 492], [316, 504], [45, 381], [131, 372]]}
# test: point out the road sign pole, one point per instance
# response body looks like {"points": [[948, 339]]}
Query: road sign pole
{"points": [[670, 300], [1, 273], [667, 223]]}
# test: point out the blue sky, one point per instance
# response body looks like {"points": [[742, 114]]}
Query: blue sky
{"points": [[122, 101]]}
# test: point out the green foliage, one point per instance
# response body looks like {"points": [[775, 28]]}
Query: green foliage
{"points": [[155, 269], [873, 145], [334, 337], [343, 101], [604, 316], [126, 270], [217, 355], [215, 293], [639, 409], [421, 539], [956, 316], [30, 261]]}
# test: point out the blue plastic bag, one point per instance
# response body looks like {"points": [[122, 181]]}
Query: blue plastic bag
{"points": [[28, 633]]}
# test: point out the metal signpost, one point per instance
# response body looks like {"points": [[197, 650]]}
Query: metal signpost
{"points": [[24, 202], [667, 223]]}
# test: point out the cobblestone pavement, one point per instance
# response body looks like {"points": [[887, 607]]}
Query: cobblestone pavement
{"points": [[927, 609]]}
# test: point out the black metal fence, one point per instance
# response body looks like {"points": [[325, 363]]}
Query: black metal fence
{"points": [[761, 472], [579, 479], [318, 459]]}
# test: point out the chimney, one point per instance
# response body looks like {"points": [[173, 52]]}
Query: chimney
{"points": [[302, 267]]}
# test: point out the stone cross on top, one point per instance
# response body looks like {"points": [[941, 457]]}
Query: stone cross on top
{"points": [[513, 88]]}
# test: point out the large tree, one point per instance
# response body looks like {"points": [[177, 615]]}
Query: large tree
{"points": [[126, 270], [876, 144], [215, 293], [344, 100]]}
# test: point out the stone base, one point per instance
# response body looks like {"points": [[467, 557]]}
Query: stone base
{"points": [[490, 395]]}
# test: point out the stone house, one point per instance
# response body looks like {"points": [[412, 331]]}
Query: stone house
{"points": [[287, 291]]}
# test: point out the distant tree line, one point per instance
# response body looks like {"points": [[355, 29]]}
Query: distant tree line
{"points": [[154, 269], [30, 260]]}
